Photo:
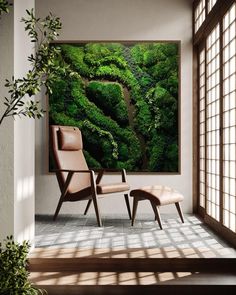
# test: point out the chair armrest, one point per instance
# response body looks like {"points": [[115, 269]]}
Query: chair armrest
{"points": [[74, 171], [71, 173], [108, 170], [101, 173]]}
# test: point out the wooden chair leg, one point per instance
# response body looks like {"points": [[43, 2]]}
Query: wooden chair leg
{"points": [[135, 205], [95, 203], [87, 207], [157, 214], [63, 194], [57, 209], [178, 207], [128, 205]]}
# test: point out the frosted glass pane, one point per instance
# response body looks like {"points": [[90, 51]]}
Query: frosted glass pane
{"points": [[199, 15], [232, 222], [232, 14], [213, 166], [226, 53], [217, 138], [232, 66], [232, 100], [226, 218], [202, 201], [217, 199], [213, 214], [226, 136], [226, 38], [202, 80], [232, 122], [226, 153], [202, 175], [232, 202], [217, 213], [217, 167], [226, 70], [226, 121], [202, 101], [226, 87], [202, 152], [232, 48], [232, 169], [226, 202], [217, 77], [202, 69], [202, 187], [226, 169], [202, 56], [232, 189], [226, 21], [232, 31], [226, 103], [202, 117], [232, 83], [232, 152]]}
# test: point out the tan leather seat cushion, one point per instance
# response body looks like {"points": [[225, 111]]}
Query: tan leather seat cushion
{"points": [[112, 188], [159, 194]]}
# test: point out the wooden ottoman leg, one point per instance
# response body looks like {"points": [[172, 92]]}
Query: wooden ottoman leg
{"points": [[157, 214], [127, 205], [180, 211], [135, 205]]}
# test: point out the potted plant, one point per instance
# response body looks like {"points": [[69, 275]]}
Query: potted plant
{"points": [[13, 269]]}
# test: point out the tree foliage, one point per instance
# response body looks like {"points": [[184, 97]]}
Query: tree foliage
{"points": [[4, 6], [45, 66]]}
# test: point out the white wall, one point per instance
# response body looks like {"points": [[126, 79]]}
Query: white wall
{"points": [[6, 130], [16, 136], [123, 20], [24, 135]]}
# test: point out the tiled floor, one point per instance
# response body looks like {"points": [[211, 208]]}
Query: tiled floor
{"points": [[72, 231]]}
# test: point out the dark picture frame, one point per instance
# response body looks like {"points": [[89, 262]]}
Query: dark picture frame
{"points": [[125, 99]]}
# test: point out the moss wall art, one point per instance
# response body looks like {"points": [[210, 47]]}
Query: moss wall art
{"points": [[125, 101]]}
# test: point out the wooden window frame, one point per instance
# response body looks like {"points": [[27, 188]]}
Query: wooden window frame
{"points": [[199, 42]]}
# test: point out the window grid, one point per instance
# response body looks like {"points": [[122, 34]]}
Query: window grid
{"points": [[211, 3], [213, 123], [217, 121], [199, 15], [202, 122], [229, 120]]}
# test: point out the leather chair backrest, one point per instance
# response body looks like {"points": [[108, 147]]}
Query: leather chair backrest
{"points": [[67, 151]]}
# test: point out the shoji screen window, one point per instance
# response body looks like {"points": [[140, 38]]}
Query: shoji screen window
{"points": [[213, 123], [215, 49], [229, 120], [199, 14], [202, 122]]}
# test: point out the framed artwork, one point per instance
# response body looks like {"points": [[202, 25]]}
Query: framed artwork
{"points": [[125, 100]]}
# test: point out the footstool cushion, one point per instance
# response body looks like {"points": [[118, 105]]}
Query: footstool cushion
{"points": [[159, 194]]}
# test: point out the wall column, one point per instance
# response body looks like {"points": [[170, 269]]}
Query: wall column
{"points": [[17, 137]]}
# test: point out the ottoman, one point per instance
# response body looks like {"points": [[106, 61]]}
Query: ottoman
{"points": [[158, 195]]}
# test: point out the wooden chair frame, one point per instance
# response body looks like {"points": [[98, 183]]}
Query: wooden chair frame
{"points": [[94, 195]]}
